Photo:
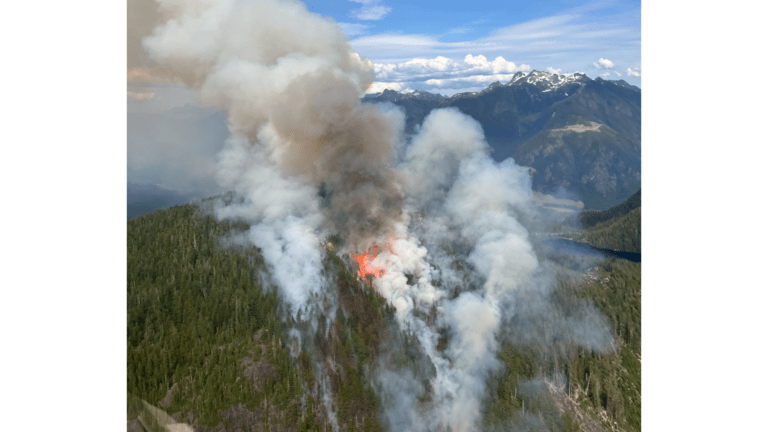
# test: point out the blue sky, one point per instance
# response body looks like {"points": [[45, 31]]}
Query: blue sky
{"points": [[450, 47], [599, 38]]}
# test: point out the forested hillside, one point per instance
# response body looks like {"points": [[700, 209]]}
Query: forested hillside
{"points": [[620, 234], [617, 228], [562, 387], [202, 333], [207, 345], [590, 218]]}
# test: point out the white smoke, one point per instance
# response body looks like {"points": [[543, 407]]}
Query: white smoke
{"points": [[462, 197], [471, 227], [285, 215], [432, 160], [291, 88]]}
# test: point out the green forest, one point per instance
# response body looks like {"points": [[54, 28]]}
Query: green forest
{"points": [[620, 234], [590, 218], [206, 344]]}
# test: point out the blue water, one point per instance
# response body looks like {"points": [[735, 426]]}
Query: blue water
{"points": [[571, 247]]}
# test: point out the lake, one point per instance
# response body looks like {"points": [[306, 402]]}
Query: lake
{"points": [[572, 247]]}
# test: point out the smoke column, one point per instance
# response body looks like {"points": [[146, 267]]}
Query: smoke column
{"points": [[291, 88], [463, 201]]}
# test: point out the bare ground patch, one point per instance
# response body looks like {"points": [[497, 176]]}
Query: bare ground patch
{"points": [[595, 127], [568, 401]]}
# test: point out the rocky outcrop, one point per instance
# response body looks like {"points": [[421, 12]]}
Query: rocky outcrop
{"points": [[258, 372]]}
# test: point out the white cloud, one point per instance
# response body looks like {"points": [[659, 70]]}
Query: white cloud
{"points": [[442, 73], [353, 29], [498, 65], [458, 30], [478, 79], [398, 47], [379, 87], [567, 41], [617, 73], [631, 72], [541, 28], [372, 13], [605, 74], [372, 10], [438, 63], [603, 64], [554, 71]]}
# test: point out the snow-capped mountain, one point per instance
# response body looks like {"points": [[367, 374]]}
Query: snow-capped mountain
{"points": [[548, 81]]}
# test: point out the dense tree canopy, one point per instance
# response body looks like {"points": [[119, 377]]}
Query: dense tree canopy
{"points": [[207, 345]]}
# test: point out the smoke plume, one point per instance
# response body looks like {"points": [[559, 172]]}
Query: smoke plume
{"points": [[290, 86]]}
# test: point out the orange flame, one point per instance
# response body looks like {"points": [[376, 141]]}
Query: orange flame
{"points": [[365, 261], [366, 265]]}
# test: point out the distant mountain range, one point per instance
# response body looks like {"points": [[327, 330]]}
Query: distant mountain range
{"points": [[147, 198], [576, 133]]}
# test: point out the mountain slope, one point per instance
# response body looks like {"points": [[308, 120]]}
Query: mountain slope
{"points": [[205, 343], [576, 133], [619, 234], [589, 144], [590, 218], [205, 340]]}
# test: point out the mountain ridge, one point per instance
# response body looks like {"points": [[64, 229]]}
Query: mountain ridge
{"points": [[601, 165]]}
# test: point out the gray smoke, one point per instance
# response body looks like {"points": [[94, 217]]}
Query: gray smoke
{"points": [[291, 88]]}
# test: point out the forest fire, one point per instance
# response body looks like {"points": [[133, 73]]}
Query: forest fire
{"points": [[312, 166], [365, 261]]}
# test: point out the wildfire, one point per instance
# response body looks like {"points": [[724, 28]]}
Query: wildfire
{"points": [[365, 261]]}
